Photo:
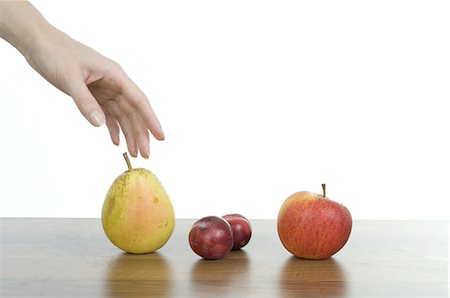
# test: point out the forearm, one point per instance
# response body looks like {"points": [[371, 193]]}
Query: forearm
{"points": [[22, 25]]}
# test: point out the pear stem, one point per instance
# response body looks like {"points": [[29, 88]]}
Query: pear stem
{"points": [[324, 189], [125, 155]]}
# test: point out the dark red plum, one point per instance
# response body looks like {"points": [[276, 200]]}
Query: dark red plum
{"points": [[211, 237], [242, 230]]}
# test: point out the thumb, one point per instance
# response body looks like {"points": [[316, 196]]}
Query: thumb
{"points": [[87, 104]]}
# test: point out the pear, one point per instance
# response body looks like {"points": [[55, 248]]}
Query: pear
{"points": [[137, 215]]}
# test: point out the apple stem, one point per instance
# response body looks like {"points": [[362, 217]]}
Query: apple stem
{"points": [[125, 155], [324, 189]]}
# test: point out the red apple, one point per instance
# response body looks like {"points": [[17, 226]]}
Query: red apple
{"points": [[311, 226], [242, 230], [211, 237]]}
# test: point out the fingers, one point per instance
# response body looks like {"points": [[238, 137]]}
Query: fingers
{"points": [[127, 108], [86, 103], [143, 140], [125, 124], [114, 130], [132, 125], [139, 101], [117, 112]]}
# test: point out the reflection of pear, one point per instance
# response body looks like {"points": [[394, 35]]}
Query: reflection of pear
{"points": [[210, 276], [312, 278], [137, 215], [138, 276]]}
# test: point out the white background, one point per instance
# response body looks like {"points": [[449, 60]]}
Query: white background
{"points": [[258, 99]]}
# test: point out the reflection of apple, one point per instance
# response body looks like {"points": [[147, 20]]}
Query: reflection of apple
{"points": [[312, 226], [211, 237], [300, 277], [242, 230]]}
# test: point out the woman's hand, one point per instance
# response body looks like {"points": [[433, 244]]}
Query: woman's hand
{"points": [[100, 88]]}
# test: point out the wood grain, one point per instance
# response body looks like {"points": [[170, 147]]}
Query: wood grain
{"points": [[73, 258]]}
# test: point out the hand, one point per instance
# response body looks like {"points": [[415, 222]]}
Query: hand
{"points": [[99, 86]]}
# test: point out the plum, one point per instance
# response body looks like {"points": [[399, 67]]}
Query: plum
{"points": [[242, 230], [211, 237]]}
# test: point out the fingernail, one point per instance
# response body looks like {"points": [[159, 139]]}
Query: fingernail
{"points": [[97, 118]]}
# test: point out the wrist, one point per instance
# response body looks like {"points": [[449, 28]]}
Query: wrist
{"points": [[23, 26]]}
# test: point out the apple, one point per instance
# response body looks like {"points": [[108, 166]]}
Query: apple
{"points": [[211, 237], [311, 226], [242, 230]]}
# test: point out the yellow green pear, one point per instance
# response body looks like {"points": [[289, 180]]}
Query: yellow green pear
{"points": [[137, 215]]}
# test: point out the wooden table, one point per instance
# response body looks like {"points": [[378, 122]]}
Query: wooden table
{"points": [[73, 258]]}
